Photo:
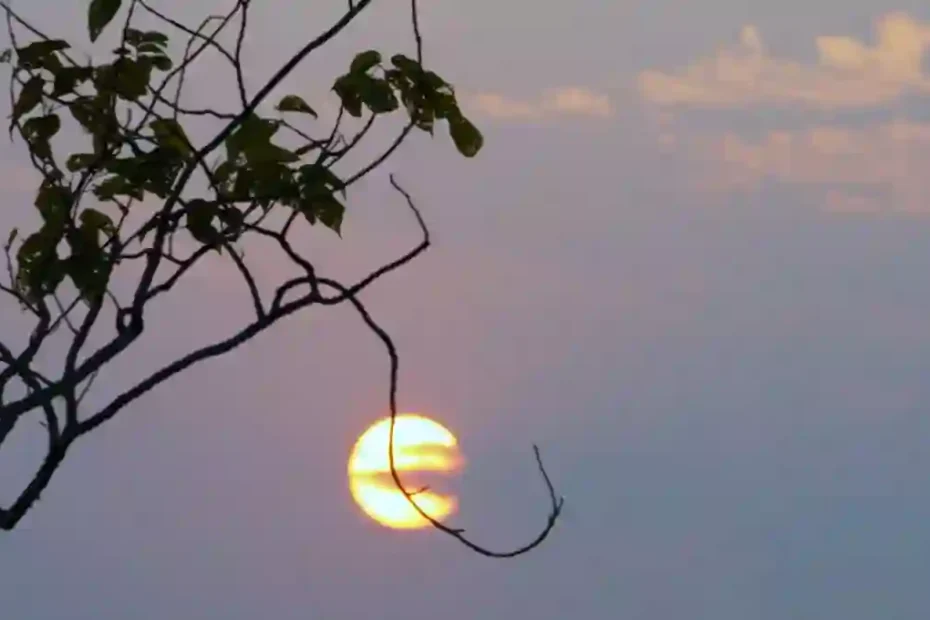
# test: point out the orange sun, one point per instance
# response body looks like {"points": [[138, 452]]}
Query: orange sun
{"points": [[421, 446]]}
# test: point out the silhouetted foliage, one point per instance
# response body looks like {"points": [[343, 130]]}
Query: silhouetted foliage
{"points": [[140, 188]]}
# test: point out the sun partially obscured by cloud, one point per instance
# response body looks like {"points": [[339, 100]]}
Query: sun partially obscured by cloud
{"points": [[568, 101], [848, 73], [878, 168]]}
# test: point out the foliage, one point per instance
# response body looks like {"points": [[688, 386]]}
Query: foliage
{"points": [[128, 195]]}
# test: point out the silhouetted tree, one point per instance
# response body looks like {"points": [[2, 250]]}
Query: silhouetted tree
{"points": [[144, 197]]}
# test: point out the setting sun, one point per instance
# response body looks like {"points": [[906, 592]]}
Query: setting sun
{"points": [[421, 446]]}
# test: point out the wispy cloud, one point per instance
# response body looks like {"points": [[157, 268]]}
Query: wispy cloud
{"points": [[848, 74], [878, 168], [567, 101]]}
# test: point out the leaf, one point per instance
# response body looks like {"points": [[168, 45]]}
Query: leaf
{"points": [[223, 172], [233, 218], [377, 95], [331, 212], [40, 269], [293, 103], [37, 53], [317, 180], [87, 266], [153, 36], [67, 79], [132, 78], [468, 140], [29, 97], [253, 139], [433, 80], [161, 62], [169, 134], [133, 36], [38, 131], [84, 112], [446, 107], [12, 237], [405, 64], [79, 161], [200, 214], [6, 55], [54, 203], [114, 186], [94, 221], [100, 14], [347, 89], [42, 127], [365, 61]]}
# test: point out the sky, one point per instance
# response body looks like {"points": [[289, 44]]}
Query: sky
{"points": [[691, 264]]}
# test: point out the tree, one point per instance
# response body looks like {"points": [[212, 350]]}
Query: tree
{"points": [[141, 190]]}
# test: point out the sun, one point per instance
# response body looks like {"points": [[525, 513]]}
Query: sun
{"points": [[421, 447]]}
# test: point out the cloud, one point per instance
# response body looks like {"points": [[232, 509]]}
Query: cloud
{"points": [[878, 168], [569, 101], [848, 73]]}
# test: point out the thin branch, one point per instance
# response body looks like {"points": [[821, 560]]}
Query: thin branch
{"points": [[356, 288], [207, 352], [556, 503], [237, 64], [249, 280], [195, 33]]}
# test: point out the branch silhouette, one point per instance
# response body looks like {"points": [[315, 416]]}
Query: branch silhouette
{"points": [[131, 199]]}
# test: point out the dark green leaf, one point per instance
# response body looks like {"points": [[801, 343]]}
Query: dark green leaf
{"points": [[348, 90], [84, 112], [87, 266], [12, 237], [468, 140], [365, 61], [93, 220], [67, 79], [330, 212], [153, 36], [40, 269], [133, 36], [131, 78], [253, 139], [377, 95], [232, 217], [161, 62], [54, 203], [42, 127], [293, 103], [200, 214], [37, 54], [100, 14], [114, 186], [38, 131], [317, 180], [169, 134], [223, 172], [405, 64], [29, 97], [433, 80], [6, 55], [446, 106], [80, 161]]}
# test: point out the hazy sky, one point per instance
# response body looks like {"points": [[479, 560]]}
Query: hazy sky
{"points": [[691, 263]]}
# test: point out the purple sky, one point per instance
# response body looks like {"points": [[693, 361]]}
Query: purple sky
{"points": [[691, 264]]}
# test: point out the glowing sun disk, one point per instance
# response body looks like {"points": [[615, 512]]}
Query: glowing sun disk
{"points": [[420, 445]]}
